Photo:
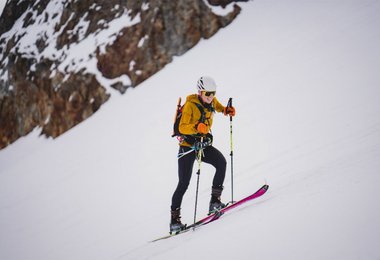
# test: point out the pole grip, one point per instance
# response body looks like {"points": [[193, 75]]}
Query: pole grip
{"points": [[229, 104]]}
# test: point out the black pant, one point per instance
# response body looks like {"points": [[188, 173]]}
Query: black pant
{"points": [[185, 168]]}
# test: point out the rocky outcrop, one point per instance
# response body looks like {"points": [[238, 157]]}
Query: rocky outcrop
{"points": [[60, 60]]}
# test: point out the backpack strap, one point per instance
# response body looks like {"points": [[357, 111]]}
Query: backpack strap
{"points": [[203, 113]]}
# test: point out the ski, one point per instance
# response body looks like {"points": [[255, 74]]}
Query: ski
{"points": [[216, 215]]}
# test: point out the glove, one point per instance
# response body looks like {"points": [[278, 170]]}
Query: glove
{"points": [[230, 111], [202, 128]]}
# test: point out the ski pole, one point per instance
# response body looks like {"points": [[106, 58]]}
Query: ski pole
{"points": [[229, 104], [199, 160]]}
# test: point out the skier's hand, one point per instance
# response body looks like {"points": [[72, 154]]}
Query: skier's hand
{"points": [[202, 128], [230, 111]]}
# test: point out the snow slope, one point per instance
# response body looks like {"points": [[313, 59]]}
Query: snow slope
{"points": [[305, 82]]}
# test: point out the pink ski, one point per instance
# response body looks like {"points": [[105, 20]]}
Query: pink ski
{"points": [[219, 213]]}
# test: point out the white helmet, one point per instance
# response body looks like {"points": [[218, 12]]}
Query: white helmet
{"points": [[206, 84]]}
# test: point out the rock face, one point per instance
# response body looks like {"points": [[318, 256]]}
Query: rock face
{"points": [[60, 59]]}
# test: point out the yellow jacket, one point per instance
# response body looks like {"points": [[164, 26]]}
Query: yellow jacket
{"points": [[191, 115]]}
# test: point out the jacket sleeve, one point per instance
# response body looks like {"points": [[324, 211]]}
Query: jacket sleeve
{"points": [[218, 107], [187, 124]]}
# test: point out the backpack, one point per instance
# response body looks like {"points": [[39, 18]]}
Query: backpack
{"points": [[188, 138]]}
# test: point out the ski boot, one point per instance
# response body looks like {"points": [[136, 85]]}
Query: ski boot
{"points": [[215, 203], [175, 224]]}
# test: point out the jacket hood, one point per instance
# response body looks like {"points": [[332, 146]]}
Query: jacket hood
{"points": [[193, 98]]}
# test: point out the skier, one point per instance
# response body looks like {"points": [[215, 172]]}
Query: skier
{"points": [[195, 128]]}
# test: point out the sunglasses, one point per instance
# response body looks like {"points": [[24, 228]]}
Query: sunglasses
{"points": [[209, 93]]}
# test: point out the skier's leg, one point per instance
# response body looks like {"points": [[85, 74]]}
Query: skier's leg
{"points": [[185, 168], [214, 157]]}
